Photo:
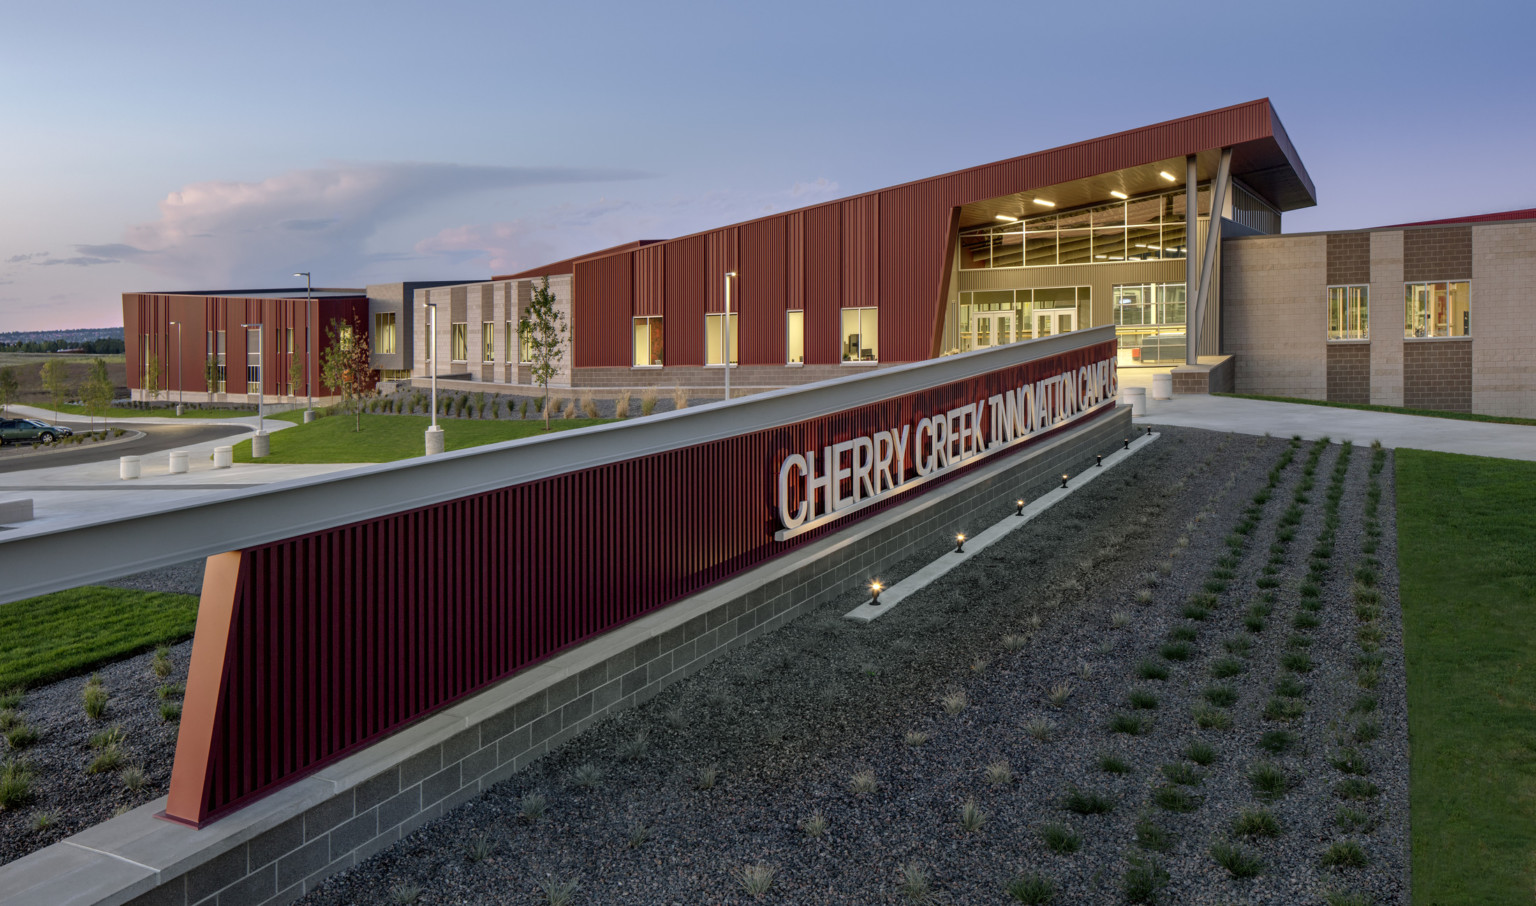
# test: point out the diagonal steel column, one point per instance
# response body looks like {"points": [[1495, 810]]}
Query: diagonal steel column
{"points": [[1191, 278], [1196, 312]]}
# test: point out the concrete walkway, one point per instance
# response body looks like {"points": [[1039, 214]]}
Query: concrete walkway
{"points": [[1443, 435]]}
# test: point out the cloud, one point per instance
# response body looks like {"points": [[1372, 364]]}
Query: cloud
{"points": [[572, 229], [228, 233], [78, 261], [27, 258]]}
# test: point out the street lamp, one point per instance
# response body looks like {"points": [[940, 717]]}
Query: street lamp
{"points": [[309, 396], [434, 433], [259, 444], [180, 388], [727, 352]]}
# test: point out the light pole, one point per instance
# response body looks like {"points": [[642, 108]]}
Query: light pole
{"points": [[261, 443], [727, 353], [309, 395], [179, 388], [434, 433]]}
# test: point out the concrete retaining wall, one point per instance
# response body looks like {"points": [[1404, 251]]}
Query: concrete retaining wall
{"points": [[283, 846]]}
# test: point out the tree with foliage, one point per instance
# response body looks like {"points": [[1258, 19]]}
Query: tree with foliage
{"points": [[98, 392], [10, 387], [344, 367], [56, 381], [545, 330], [153, 375], [295, 374]]}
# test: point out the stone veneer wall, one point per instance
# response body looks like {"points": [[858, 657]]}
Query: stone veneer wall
{"points": [[1437, 374], [1349, 372], [284, 845]]}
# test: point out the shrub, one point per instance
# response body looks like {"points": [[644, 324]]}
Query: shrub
{"points": [[1032, 888], [1256, 823], [1345, 854], [1269, 781], [1087, 803], [1061, 839], [1238, 860], [1152, 670]]}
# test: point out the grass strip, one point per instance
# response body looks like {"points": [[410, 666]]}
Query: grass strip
{"points": [[69, 632], [386, 438], [1466, 530], [1395, 410]]}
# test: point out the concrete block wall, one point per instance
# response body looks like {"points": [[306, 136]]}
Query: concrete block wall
{"points": [[281, 847], [1275, 313], [1386, 317], [1437, 374], [1349, 372], [1504, 319]]}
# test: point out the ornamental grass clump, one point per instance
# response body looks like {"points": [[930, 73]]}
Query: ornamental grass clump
{"points": [[15, 784], [588, 776], [705, 778], [914, 882], [1152, 670], [1113, 764], [972, 816], [94, 698], [1143, 881], [863, 782], [1032, 888], [1255, 822], [1207, 717], [1345, 854], [1061, 839], [1222, 696], [1142, 699], [1175, 799], [954, 701], [1182, 774], [815, 825], [1087, 802], [161, 666], [1238, 860], [1153, 837], [1269, 781], [999, 773], [1132, 724], [1200, 753]]}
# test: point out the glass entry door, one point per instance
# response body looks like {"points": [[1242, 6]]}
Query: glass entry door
{"points": [[994, 328], [1051, 321]]}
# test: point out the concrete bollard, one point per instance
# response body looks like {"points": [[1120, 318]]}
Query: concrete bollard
{"points": [[128, 467], [261, 445], [1162, 386], [178, 410], [223, 457], [309, 416], [434, 440], [178, 462], [1136, 398]]}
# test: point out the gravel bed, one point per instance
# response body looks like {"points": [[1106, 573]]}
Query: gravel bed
{"points": [[185, 578], [66, 799], [1086, 594]]}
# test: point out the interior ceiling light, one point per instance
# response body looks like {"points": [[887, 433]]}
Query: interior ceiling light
{"points": [[1119, 194], [1005, 218], [1044, 203], [1168, 176]]}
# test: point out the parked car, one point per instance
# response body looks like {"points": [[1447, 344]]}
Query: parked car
{"points": [[29, 430]]}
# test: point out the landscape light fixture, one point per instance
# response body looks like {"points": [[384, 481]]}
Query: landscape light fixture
{"points": [[1099, 464], [1020, 504], [1149, 430], [874, 592], [1063, 481], [1127, 443], [960, 543], [309, 345]]}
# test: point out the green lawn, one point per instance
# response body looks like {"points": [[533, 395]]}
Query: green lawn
{"points": [[70, 632], [386, 438], [1398, 410], [1467, 555]]}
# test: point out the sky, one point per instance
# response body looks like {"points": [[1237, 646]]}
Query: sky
{"points": [[200, 146]]}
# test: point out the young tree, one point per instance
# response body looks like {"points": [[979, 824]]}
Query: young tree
{"points": [[295, 374], [545, 331], [56, 382], [152, 376], [10, 387], [98, 392], [344, 367]]}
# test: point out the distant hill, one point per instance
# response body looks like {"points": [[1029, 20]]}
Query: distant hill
{"points": [[97, 340]]}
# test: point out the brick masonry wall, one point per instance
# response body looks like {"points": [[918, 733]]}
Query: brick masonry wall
{"points": [[1437, 374], [278, 849], [1349, 258], [1437, 253], [1349, 372]]}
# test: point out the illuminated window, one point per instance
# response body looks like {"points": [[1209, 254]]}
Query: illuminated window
{"points": [[458, 346], [794, 336], [383, 333], [649, 346], [714, 338], [488, 341], [861, 335], [1437, 309], [1348, 313]]}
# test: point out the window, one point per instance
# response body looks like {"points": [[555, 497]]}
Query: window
{"points": [[1348, 313], [253, 359], [216, 356], [1437, 309], [714, 338], [1149, 322], [648, 343], [1144, 228], [458, 346], [507, 339], [488, 341], [290, 341], [861, 335], [525, 349], [794, 339], [383, 333]]}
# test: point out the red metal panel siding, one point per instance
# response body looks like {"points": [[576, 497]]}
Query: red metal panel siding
{"points": [[604, 291], [721, 257], [762, 293], [823, 285], [914, 241], [861, 252], [686, 292], [794, 263], [329, 650], [650, 280]]}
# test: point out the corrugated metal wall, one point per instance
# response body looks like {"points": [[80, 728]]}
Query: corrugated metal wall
{"points": [[340, 637], [886, 249]]}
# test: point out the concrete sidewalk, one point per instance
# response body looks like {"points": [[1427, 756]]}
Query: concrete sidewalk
{"points": [[72, 420], [1442, 435]]}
